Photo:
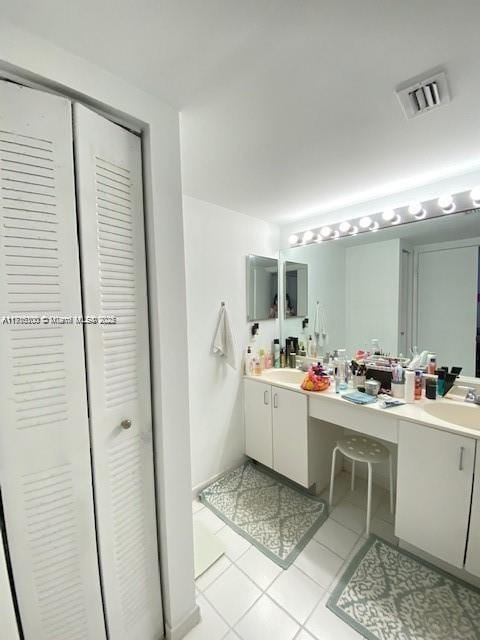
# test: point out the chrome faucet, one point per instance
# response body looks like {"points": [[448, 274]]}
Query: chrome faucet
{"points": [[472, 396]]}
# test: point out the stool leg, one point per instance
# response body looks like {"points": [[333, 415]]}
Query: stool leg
{"points": [[332, 478], [391, 482], [352, 485], [369, 498]]}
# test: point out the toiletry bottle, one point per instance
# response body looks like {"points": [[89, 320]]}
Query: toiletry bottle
{"points": [[276, 353], [261, 358], [418, 385], [268, 360], [310, 347], [409, 385], [431, 387], [441, 382], [258, 367], [249, 362], [283, 358], [432, 365], [292, 360]]}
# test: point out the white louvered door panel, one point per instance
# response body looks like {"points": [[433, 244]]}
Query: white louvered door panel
{"points": [[109, 187], [8, 621], [45, 471]]}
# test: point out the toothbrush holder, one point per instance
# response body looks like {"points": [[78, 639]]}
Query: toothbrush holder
{"points": [[398, 389]]}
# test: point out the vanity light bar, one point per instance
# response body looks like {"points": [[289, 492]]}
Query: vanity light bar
{"points": [[412, 212]]}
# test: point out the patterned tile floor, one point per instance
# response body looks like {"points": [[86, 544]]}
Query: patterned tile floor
{"points": [[245, 595]]}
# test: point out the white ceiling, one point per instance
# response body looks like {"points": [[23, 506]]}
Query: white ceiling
{"points": [[288, 106]]}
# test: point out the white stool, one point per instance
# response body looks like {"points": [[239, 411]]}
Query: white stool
{"points": [[362, 449]]}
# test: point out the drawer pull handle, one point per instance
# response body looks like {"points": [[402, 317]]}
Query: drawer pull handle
{"points": [[460, 459], [275, 401], [265, 397]]}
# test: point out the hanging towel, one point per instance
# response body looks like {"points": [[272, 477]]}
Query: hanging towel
{"points": [[320, 327], [223, 344]]}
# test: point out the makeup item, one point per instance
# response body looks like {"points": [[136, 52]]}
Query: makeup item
{"points": [[441, 382], [431, 388], [276, 353], [418, 385], [432, 365], [372, 387], [409, 386]]}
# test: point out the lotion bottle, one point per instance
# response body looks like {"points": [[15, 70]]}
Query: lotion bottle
{"points": [[409, 386]]}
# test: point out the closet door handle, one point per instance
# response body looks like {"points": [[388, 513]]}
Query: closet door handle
{"points": [[265, 397], [460, 459], [126, 424], [275, 401]]}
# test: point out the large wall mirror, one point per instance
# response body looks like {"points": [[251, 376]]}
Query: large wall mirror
{"points": [[262, 288], [295, 285], [405, 286]]}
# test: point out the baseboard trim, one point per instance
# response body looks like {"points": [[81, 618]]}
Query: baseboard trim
{"points": [[199, 487], [187, 624]]}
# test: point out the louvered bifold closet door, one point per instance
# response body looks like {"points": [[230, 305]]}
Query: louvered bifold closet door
{"points": [[110, 200], [45, 471]]}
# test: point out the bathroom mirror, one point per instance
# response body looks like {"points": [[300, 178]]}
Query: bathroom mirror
{"points": [[262, 288], [296, 289], [408, 285]]}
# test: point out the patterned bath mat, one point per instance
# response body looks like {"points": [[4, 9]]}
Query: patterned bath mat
{"points": [[389, 594], [274, 515]]}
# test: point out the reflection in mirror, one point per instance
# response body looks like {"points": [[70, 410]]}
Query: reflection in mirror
{"points": [[405, 286], [296, 289], [262, 288]]}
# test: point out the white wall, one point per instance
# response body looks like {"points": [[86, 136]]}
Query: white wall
{"points": [[217, 242], [372, 295], [39, 61]]}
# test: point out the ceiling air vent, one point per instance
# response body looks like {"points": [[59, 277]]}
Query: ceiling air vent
{"points": [[423, 94]]}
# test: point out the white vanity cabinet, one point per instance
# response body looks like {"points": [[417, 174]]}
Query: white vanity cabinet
{"points": [[276, 429], [435, 471], [258, 422], [290, 434], [472, 564]]}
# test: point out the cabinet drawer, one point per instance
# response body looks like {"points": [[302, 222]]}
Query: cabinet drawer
{"points": [[357, 418]]}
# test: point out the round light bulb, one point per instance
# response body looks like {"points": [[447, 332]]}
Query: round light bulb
{"points": [[415, 208], [308, 236], [293, 239], [446, 203], [388, 215], [365, 222], [475, 195], [326, 231], [344, 226]]}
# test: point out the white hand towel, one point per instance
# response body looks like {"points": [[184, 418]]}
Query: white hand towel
{"points": [[223, 344]]}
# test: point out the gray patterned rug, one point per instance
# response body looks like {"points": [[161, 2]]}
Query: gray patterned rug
{"points": [[389, 594], [274, 515]]}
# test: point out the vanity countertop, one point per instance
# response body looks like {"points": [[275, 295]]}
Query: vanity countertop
{"points": [[411, 412]]}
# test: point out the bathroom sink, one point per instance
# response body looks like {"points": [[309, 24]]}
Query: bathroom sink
{"points": [[463, 415], [289, 376]]}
